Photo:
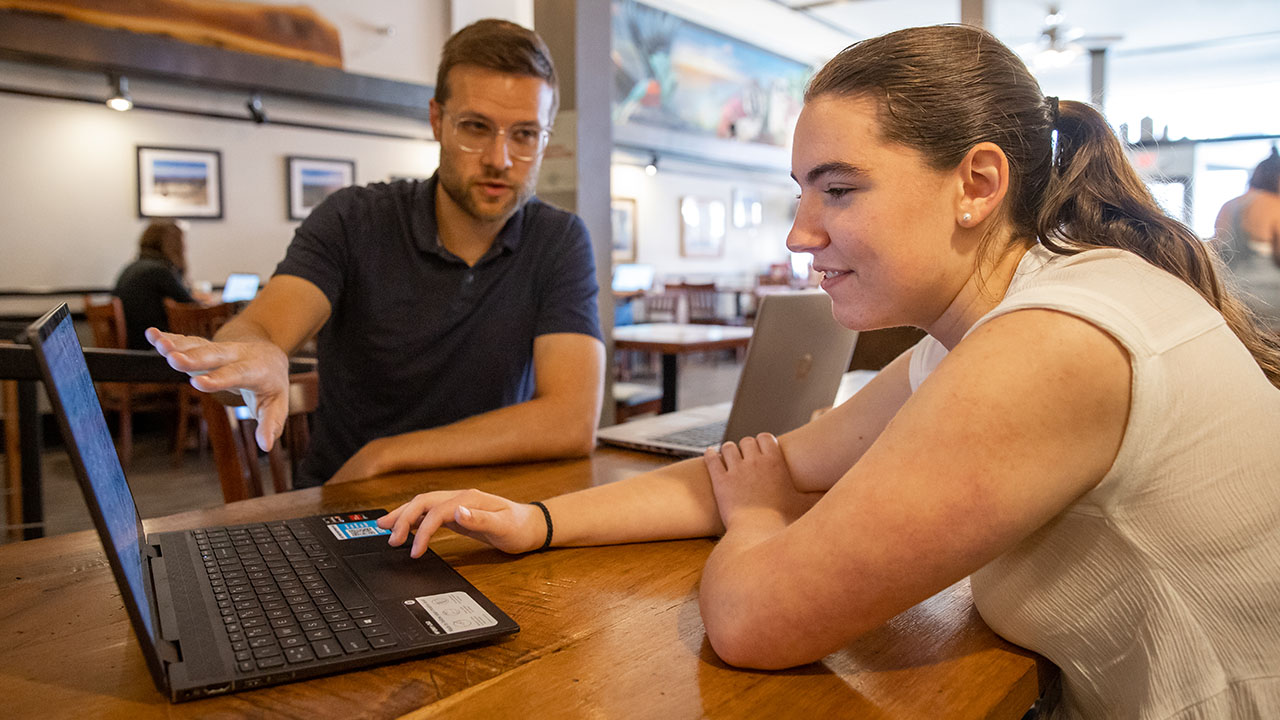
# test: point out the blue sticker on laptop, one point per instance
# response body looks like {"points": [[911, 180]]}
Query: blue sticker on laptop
{"points": [[358, 529]]}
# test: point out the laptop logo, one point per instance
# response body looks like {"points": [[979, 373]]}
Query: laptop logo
{"points": [[803, 365]]}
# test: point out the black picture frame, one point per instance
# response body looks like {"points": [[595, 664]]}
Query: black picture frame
{"points": [[180, 183], [309, 180]]}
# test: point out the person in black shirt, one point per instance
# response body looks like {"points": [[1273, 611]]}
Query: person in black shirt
{"points": [[456, 318], [158, 273]]}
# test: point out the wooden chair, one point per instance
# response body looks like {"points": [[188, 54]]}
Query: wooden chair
{"points": [[704, 303], [199, 321], [106, 322], [662, 307], [235, 451]]}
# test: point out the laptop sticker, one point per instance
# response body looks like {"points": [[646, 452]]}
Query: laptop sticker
{"points": [[449, 613], [358, 529]]}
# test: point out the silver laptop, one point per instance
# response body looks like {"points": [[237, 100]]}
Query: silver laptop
{"points": [[797, 355]]}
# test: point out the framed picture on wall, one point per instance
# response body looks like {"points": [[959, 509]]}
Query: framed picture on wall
{"points": [[179, 183], [311, 180], [623, 214], [702, 227]]}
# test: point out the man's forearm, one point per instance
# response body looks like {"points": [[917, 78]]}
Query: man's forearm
{"points": [[540, 429]]}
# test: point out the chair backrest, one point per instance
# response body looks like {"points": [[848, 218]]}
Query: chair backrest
{"points": [[106, 321], [196, 319], [703, 299], [662, 306]]}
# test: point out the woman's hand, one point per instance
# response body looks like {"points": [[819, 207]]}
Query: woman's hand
{"points": [[750, 478], [508, 526]]}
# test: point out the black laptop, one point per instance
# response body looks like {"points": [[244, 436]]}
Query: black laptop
{"points": [[225, 609]]}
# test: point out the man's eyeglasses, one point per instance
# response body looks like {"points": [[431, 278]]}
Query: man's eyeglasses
{"points": [[476, 134]]}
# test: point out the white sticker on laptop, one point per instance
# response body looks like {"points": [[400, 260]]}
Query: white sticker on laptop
{"points": [[358, 529], [456, 612]]}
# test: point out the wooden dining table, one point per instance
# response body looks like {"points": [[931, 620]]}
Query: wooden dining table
{"points": [[675, 339], [606, 632]]}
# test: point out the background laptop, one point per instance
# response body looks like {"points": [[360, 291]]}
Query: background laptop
{"points": [[226, 609], [797, 355], [240, 287]]}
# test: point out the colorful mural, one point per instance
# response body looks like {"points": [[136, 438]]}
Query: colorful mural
{"points": [[673, 74]]}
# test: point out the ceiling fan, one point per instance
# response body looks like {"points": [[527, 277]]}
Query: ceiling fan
{"points": [[1059, 43]]}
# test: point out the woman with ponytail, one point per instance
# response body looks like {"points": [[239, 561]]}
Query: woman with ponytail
{"points": [[1090, 430]]}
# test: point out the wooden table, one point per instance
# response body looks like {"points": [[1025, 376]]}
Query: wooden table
{"points": [[672, 339], [610, 632]]}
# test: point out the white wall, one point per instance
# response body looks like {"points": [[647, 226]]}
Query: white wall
{"points": [[68, 195], [748, 251]]}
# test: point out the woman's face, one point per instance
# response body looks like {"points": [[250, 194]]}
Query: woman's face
{"points": [[879, 222]]}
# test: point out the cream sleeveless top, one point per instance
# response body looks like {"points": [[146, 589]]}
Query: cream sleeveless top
{"points": [[1157, 593]]}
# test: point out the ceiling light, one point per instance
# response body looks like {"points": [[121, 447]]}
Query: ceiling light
{"points": [[652, 168], [120, 100]]}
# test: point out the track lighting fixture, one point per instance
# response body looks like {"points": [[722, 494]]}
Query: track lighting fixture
{"points": [[256, 111], [120, 100]]}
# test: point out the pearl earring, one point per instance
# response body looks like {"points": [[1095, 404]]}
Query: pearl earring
{"points": [[966, 217]]}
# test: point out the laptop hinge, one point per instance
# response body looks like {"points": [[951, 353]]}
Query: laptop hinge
{"points": [[168, 652], [153, 550]]}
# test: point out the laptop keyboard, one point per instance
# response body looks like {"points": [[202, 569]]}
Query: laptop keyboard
{"points": [[282, 599], [697, 436]]}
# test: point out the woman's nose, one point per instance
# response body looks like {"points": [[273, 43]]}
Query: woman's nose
{"points": [[807, 233]]}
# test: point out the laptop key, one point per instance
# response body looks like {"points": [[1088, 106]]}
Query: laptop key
{"points": [[299, 654], [266, 651], [327, 648], [375, 631], [270, 662], [382, 641], [291, 642], [320, 634], [352, 641], [246, 666]]}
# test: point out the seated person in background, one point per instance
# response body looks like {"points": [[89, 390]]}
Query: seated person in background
{"points": [[1247, 235], [158, 273], [1089, 430], [457, 316]]}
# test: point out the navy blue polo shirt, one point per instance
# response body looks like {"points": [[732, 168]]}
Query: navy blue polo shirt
{"points": [[416, 338]]}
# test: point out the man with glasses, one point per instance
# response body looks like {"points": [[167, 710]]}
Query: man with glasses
{"points": [[456, 317]]}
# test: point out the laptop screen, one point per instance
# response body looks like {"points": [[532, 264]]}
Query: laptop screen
{"points": [[85, 431], [240, 287], [631, 278]]}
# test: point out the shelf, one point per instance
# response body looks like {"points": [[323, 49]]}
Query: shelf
{"points": [[53, 41]]}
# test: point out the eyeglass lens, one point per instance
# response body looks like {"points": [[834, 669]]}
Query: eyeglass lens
{"points": [[477, 135]]}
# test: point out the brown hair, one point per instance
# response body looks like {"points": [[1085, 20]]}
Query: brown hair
{"points": [[945, 88], [162, 240], [501, 46]]}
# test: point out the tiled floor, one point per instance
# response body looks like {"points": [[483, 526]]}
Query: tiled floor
{"points": [[161, 489]]}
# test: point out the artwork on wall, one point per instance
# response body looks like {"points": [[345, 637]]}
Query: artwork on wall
{"points": [[311, 180], [702, 227], [179, 183], [624, 229], [673, 74]]}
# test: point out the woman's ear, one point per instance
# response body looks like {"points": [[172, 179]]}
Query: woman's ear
{"points": [[984, 181]]}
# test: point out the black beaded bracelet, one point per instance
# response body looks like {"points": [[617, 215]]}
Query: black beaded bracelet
{"points": [[546, 514]]}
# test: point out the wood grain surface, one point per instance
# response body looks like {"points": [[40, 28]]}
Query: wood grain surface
{"points": [[610, 632]]}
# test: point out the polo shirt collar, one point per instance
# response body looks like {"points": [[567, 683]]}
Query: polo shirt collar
{"points": [[427, 232]]}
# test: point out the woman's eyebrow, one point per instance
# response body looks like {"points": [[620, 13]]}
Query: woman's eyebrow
{"points": [[834, 167]]}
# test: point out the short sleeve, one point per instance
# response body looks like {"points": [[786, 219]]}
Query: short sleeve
{"points": [[319, 250], [569, 290]]}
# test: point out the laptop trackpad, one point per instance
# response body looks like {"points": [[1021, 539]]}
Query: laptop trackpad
{"points": [[394, 575]]}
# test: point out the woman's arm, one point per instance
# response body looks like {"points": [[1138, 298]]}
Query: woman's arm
{"points": [[673, 502], [814, 460], [1021, 419]]}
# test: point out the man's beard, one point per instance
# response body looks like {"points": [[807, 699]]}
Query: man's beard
{"points": [[455, 186]]}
